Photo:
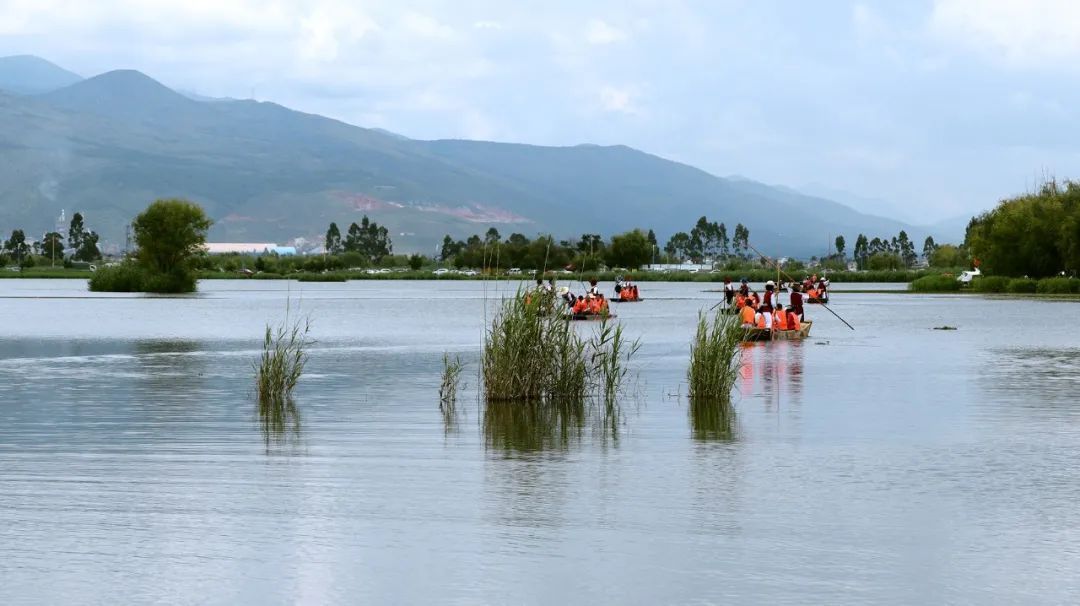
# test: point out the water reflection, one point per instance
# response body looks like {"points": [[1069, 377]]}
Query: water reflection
{"points": [[279, 420], [773, 370], [533, 426], [170, 366], [712, 420]]}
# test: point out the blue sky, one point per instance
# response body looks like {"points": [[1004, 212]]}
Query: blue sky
{"points": [[936, 107]]}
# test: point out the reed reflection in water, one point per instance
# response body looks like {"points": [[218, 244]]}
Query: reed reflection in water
{"points": [[533, 426], [280, 422], [712, 419]]}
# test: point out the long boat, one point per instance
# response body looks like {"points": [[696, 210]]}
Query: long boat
{"points": [[767, 334], [625, 300], [590, 317], [818, 300]]}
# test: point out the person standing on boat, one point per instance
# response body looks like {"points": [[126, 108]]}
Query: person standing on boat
{"points": [[729, 291], [770, 292], [593, 291], [550, 285], [744, 288], [796, 301]]}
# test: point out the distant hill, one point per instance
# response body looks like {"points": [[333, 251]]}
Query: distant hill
{"points": [[29, 75], [110, 144]]}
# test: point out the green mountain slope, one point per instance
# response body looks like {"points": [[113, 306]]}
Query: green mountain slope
{"points": [[110, 144]]}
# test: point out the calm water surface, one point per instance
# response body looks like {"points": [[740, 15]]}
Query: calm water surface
{"points": [[890, 464]]}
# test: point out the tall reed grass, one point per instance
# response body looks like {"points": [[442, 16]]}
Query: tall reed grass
{"points": [[715, 357], [451, 379], [533, 353], [282, 362]]}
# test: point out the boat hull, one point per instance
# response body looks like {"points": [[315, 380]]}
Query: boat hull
{"points": [[625, 300], [590, 317], [765, 334], [818, 301]]}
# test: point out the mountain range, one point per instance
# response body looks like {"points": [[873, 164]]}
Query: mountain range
{"points": [[110, 144]]}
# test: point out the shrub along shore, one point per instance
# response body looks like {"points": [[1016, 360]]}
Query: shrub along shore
{"points": [[997, 285]]}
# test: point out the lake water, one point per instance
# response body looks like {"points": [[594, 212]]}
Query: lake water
{"points": [[891, 464]]}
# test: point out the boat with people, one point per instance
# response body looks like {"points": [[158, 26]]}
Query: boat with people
{"points": [[625, 292], [769, 334]]}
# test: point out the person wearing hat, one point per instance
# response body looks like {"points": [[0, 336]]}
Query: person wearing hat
{"points": [[767, 303], [566, 295], [795, 302]]}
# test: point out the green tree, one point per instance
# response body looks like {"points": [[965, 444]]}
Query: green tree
{"points": [[906, 249], [652, 238], [928, 248], [741, 242], [16, 246], [948, 255], [88, 248], [630, 250], [333, 243], [76, 231], [885, 261], [840, 246], [416, 262], [678, 245], [52, 246], [862, 251], [170, 236]]}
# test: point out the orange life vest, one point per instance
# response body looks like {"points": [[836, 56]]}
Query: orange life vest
{"points": [[740, 302], [747, 315], [793, 321], [579, 306], [780, 320], [761, 320], [594, 305], [812, 294]]}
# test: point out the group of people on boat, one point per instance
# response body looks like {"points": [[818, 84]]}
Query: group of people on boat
{"points": [[627, 291], [592, 302], [816, 289], [764, 311]]}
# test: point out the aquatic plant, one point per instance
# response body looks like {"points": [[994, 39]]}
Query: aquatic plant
{"points": [[451, 378], [282, 362], [532, 352], [935, 283], [1058, 286], [125, 277], [715, 357], [712, 419]]}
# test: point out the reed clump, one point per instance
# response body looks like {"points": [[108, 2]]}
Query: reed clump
{"points": [[532, 353], [282, 362], [451, 379], [715, 356]]}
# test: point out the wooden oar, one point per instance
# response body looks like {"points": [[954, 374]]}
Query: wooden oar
{"points": [[777, 266]]}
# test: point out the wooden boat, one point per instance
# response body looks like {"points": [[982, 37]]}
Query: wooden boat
{"points": [[625, 300], [590, 317], [818, 300], [765, 334]]}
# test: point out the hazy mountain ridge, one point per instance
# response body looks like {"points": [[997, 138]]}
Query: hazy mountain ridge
{"points": [[108, 145]]}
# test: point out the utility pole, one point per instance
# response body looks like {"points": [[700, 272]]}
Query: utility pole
{"points": [[127, 240]]}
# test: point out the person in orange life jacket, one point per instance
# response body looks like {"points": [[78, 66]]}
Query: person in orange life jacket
{"points": [[793, 320], [740, 301], [580, 306], [796, 301], [746, 315], [780, 318], [763, 319], [770, 291]]}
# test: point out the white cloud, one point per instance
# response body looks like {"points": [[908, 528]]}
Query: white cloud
{"points": [[619, 100], [487, 25], [1018, 33], [600, 33]]}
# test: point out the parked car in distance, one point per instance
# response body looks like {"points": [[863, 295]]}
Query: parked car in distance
{"points": [[513, 271], [470, 272], [441, 271]]}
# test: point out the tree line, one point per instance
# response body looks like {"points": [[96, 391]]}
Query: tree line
{"points": [[709, 240], [588, 252], [1036, 234], [82, 245], [368, 239]]}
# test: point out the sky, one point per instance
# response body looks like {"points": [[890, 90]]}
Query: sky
{"points": [[931, 108]]}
